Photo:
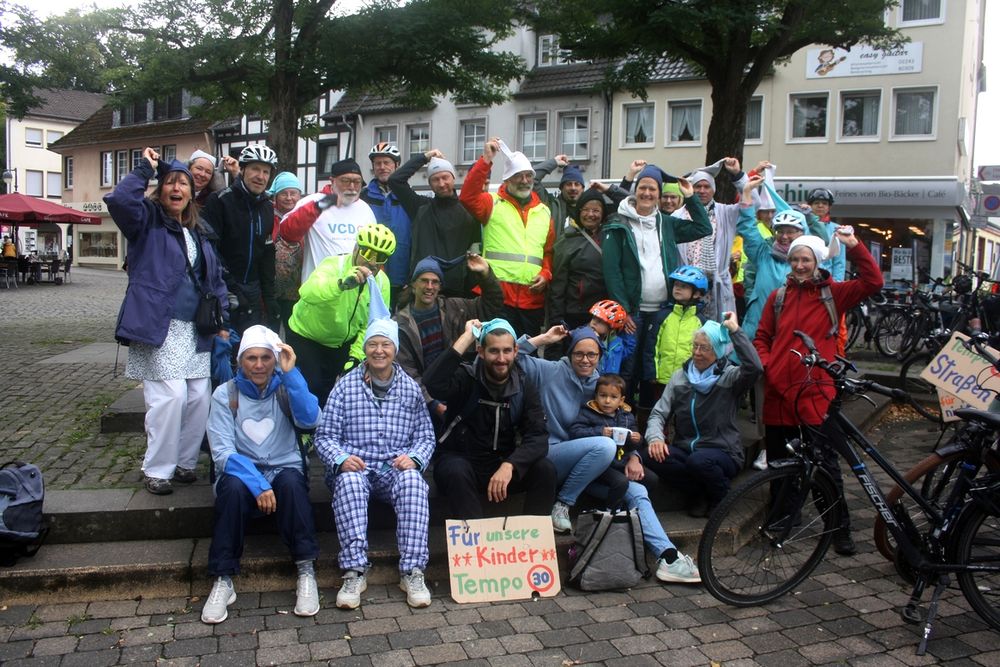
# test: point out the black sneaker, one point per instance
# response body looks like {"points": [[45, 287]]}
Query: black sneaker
{"points": [[158, 486], [843, 543]]}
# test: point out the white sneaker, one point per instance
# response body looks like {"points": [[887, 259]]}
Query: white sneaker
{"points": [[306, 596], [681, 571], [415, 587], [216, 606], [349, 595], [560, 518], [760, 463]]}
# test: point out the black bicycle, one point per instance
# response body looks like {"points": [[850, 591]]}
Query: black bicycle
{"points": [[771, 531]]}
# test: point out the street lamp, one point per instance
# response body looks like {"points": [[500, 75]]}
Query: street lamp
{"points": [[8, 177]]}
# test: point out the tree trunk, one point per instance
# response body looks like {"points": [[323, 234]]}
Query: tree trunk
{"points": [[283, 128], [727, 130]]}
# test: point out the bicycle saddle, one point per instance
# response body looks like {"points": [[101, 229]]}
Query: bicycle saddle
{"points": [[989, 419]]}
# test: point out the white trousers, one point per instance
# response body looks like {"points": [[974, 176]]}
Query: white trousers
{"points": [[176, 417]]}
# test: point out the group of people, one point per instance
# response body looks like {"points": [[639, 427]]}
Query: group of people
{"points": [[516, 341]]}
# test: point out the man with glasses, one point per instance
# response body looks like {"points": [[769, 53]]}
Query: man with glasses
{"points": [[333, 307], [329, 220], [429, 323], [518, 234]]}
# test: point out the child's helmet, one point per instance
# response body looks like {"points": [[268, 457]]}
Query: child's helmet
{"points": [[610, 312], [691, 275]]}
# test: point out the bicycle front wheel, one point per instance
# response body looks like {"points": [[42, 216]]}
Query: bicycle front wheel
{"points": [[889, 330], [767, 535], [909, 374], [978, 543]]}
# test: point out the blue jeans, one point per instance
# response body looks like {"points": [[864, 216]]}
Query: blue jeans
{"points": [[578, 463]]}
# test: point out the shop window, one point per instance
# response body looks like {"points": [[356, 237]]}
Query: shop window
{"points": [[473, 139], [418, 140], [53, 184], [33, 183], [808, 116], [913, 113], [534, 136], [574, 135], [684, 119], [754, 132], [98, 244], [639, 125], [859, 114]]}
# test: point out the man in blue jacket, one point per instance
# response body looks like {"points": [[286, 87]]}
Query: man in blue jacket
{"points": [[252, 432], [390, 212]]}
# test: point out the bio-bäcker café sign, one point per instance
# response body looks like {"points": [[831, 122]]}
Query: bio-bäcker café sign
{"points": [[829, 62], [938, 192]]}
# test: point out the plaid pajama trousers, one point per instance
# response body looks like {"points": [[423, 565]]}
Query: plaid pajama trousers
{"points": [[405, 490]]}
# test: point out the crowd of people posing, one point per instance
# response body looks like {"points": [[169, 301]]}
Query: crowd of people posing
{"points": [[516, 341]]}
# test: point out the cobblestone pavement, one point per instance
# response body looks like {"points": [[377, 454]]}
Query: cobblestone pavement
{"points": [[844, 614], [51, 412]]}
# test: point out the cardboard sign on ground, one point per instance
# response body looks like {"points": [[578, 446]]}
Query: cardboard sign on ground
{"points": [[505, 558], [949, 403], [963, 373]]}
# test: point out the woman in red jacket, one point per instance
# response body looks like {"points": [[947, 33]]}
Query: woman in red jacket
{"points": [[790, 401]]}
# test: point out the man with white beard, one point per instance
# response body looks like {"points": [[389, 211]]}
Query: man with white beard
{"points": [[330, 219]]}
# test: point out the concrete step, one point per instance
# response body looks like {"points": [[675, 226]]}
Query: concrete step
{"points": [[126, 415]]}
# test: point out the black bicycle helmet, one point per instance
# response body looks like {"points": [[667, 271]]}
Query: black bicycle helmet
{"points": [[820, 194]]}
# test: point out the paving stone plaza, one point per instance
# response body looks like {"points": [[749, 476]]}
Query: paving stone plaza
{"points": [[58, 356]]}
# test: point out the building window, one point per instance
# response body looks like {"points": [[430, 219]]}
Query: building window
{"points": [[328, 153], [473, 139], [913, 113], [574, 135], [166, 108], [921, 12], [137, 157], [68, 173], [51, 136], [385, 133], [121, 165], [418, 140], [53, 184], [549, 52], [639, 124], [754, 131], [169, 152], [98, 244], [534, 137], [809, 116], [107, 169], [859, 114], [685, 121], [33, 137], [134, 113], [33, 183]]}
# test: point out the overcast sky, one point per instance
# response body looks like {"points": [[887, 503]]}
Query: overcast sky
{"points": [[987, 142]]}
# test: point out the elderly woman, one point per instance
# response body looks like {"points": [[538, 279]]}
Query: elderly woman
{"points": [[565, 386], [285, 193], [207, 180], [171, 267], [701, 399], [812, 302]]}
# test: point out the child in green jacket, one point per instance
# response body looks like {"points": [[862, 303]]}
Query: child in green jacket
{"points": [[688, 286]]}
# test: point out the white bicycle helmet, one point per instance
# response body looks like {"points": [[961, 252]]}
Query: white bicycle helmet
{"points": [[258, 153], [386, 149]]}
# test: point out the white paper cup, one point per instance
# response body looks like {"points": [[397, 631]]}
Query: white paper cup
{"points": [[620, 435]]}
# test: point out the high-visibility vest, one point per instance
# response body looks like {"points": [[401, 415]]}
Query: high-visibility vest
{"points": [[515, 249]]}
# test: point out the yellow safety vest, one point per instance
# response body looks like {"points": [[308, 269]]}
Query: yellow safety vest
{"points": [[515, 250]]}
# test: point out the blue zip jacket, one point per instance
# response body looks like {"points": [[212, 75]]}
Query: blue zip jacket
{"points": [[390, 212], [562, 390], [156, 263]]}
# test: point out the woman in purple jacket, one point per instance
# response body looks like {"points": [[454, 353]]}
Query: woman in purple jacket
{"points": [[170, 265]]}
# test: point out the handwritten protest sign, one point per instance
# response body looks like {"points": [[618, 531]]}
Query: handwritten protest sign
{"points": [[949, 403], [963, 373], [502, 558]]}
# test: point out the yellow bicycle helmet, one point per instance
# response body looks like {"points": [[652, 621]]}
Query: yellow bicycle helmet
{"points": [[378, 238]]}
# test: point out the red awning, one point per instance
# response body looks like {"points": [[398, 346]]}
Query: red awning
{"points": [[18, 209]]}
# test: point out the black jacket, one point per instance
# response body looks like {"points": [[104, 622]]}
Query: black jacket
{"points": [[243, 223], [441, 227], [577, 276], [478, 437]]}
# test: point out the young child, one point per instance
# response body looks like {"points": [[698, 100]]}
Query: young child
{"points": [[688, 285], [621, 481], [608, 319]]}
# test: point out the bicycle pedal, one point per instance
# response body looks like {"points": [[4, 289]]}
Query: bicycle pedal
{"points": [[913, 614]]}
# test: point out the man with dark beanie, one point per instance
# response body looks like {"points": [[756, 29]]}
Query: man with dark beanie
{"points": [[571, 185]]}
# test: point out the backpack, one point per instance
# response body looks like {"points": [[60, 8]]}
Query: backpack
{"points": [[609, 552], [303, 437], [22, 528], [826, 298]]}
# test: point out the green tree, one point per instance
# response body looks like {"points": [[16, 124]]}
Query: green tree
{"points": [[733, 43]]}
